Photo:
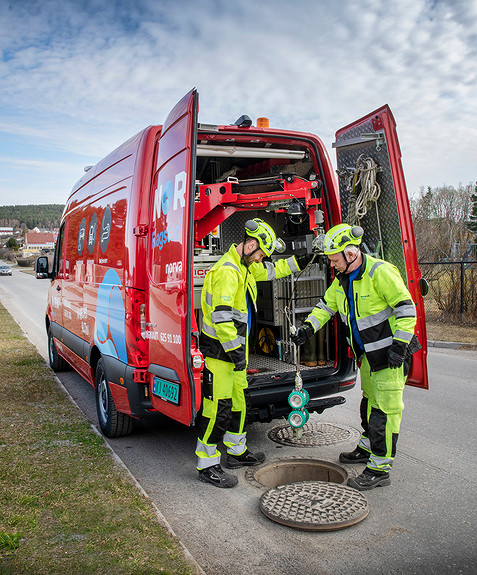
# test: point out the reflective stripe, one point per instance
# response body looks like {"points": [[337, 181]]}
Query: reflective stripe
{"points": [[209, 330], [405, 311], [271, 275], [292, 264], [375, 319], [404, 335], [374, 268], [232, 265], [207, 455], [321, 305], [236, 443], [233, 344], [344, 318], [376, 345], [222, 316], [314, 322], [380, 463], [364, 443], [208, 298]]}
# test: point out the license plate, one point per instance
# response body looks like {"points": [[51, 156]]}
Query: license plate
{"points": [[166, 390]]}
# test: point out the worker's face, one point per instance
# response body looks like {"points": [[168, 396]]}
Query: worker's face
{"points": [[338, 261], [251, 255]]}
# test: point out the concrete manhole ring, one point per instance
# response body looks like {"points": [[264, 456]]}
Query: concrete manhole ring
{"points": [[313, 434], [314, 505]]}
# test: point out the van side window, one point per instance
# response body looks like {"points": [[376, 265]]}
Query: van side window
{"points": [[58, 259]]}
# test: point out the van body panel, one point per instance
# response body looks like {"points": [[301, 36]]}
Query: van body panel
{"points": [[389, 232]]}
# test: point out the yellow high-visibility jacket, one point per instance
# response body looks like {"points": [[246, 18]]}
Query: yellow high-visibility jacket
{"points": [[383, 307], [224, 302]]}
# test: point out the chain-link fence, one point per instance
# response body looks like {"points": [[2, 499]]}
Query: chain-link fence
{"points": [[452, 291]]}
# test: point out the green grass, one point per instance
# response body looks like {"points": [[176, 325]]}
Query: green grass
{"points": [[65, 504]]}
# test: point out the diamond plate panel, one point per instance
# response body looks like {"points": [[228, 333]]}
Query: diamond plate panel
{"points": [[381, 222]]}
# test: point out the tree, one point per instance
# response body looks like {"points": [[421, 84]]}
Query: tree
{"points": [[12, 244], [473, 215], [441, 217]]}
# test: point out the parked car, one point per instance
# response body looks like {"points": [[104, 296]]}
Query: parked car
{"points": [[5, 270]]}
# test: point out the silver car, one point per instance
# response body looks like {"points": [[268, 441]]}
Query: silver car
{"points": [[5, 270]]}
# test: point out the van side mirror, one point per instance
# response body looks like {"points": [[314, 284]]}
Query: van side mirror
{"points": [[41, 268]]}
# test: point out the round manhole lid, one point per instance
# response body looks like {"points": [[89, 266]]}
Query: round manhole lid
{"points": [[313, 434], [314, 505]]}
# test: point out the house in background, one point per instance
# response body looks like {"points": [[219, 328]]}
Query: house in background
{"points": [[37, 242]]}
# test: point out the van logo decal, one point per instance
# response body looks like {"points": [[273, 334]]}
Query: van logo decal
{"points": [[109, 326]]}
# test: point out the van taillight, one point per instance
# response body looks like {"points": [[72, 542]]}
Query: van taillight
{"points": [[142, 319], [136, 327]]}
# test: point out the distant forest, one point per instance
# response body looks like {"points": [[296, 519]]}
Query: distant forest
{"points": [[31, 216]]}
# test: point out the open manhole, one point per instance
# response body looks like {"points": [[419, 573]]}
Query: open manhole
{"points": [[313, 434], [314, 505], [283, 471]]}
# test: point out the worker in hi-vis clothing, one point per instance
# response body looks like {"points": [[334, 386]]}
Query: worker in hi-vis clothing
{"points": [[378, 310], [228, 303]]}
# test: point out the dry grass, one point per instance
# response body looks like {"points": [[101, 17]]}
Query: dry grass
{"points": [[65, 505]]}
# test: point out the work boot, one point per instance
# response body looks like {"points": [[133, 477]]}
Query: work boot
{"points": [[246, 459], [217, 476], [359, 455], [369, 479]]}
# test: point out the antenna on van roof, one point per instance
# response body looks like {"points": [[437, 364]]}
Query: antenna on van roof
{"points": [[244, 121]]}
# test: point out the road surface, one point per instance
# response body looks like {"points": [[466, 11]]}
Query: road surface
{"points": [[424, 523]]}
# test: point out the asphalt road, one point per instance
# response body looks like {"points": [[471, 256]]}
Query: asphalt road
{"points": [[425, 522]]}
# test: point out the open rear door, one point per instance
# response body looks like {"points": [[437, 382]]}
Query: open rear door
{"points": [[174, 390], [369, 148]]}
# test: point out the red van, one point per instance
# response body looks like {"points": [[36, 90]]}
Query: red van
{"points": [[142, 227]]}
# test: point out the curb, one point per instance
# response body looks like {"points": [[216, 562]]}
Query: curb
{"points": [[452, 345]]}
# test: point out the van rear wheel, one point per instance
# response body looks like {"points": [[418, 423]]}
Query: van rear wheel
{"points": [[111, 421], [57, 363]]}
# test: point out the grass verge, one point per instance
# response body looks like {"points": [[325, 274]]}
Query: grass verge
{"points": [[65, 505]]}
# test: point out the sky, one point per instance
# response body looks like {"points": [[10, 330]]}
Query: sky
{"points": [[79, 77]]}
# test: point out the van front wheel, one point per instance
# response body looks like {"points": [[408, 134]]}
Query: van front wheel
{"points": [[57, 363], [111, 421]]}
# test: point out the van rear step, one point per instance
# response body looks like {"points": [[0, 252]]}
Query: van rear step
{"points": [[270, 412], [319, 405]]}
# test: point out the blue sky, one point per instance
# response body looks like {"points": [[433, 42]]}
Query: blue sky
{"points": [[78, 77]]}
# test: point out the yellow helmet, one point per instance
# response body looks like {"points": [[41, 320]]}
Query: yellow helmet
{"points": [[264, 234], [338, 237]]}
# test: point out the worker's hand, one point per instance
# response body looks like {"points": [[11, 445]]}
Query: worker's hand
{"points": [[396, 354], [304, 260], [303, 333]]}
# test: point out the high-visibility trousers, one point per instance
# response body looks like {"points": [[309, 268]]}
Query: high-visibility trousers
{"points": [[381, 412], [224, 412]]}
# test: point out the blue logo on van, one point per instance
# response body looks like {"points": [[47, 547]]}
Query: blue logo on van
{"points": [[109, 327], [167, 197]]}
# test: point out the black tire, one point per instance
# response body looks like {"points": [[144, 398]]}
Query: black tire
{"points": [[57, 363], [111, 422]]}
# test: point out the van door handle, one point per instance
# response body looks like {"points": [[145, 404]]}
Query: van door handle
{"points": [[58, 288]]}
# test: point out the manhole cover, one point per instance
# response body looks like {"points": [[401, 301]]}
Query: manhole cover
{"points": [[314, 505], [313, 434], [293, 470]]}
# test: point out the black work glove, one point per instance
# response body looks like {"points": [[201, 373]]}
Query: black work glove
{"points": [[237, 356], [304, 260], [303, 333], [396, 354]]}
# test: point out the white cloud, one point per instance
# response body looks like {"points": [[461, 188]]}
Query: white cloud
{"points": [[80, 77]]}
